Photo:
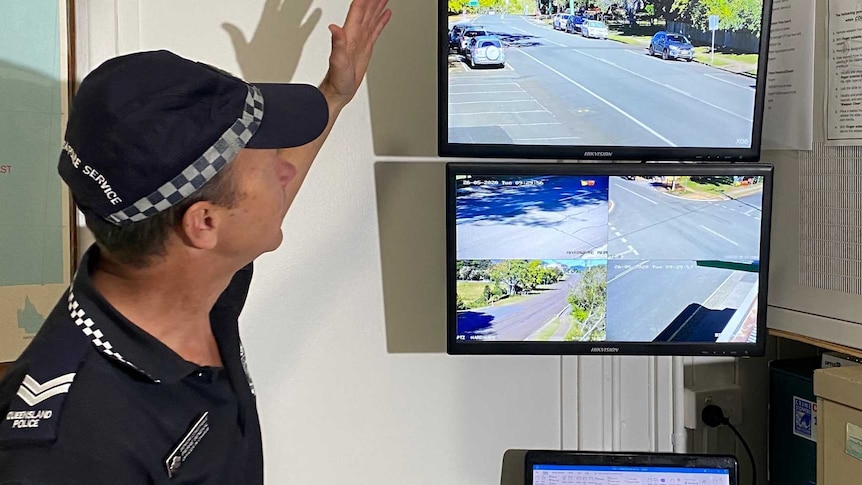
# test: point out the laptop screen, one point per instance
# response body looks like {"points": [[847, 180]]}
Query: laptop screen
{"points": [[622, 475], [549, 467]]}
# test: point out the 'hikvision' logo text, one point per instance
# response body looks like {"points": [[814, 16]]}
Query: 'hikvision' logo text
{"points": [[605, 350]]}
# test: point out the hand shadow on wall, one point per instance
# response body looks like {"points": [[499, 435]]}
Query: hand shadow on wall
{"points": [[273, 52]]}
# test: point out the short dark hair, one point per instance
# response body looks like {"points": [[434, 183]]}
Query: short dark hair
{"points": [[137, 243]]}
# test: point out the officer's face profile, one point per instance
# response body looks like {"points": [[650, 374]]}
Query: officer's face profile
{"points": [[252, 224]]}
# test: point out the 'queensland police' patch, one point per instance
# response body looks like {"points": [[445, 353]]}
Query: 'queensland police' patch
{"points": [[34, 412]]}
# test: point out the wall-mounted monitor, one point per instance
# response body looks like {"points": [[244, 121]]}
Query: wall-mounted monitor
{"points": [[622, 258], [620, 81]]}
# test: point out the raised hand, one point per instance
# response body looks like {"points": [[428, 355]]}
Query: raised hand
{"points": [[352, 46]]}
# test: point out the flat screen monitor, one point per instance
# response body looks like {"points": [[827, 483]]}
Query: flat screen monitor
{"points": [[622, 81], [621, 258], [587, 468]]}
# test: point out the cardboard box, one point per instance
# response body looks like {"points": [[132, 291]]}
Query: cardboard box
{"points": [[838, 359], [839, 430]]}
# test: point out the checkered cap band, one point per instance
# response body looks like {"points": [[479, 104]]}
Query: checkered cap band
{"points": [[202, 170]]}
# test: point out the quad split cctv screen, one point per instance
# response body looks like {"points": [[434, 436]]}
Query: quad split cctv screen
{"points": [[652, 235]]}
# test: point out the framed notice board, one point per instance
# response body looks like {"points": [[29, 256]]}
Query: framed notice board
{"points": [[36, 223]]}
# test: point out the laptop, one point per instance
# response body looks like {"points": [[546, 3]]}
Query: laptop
{"points": [[591, 468]]}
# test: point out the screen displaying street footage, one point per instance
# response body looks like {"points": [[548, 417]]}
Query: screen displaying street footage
{"points": [[643, 80], [607, 258]]}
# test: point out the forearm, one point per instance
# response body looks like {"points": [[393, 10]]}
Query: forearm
{"points": [[302, 157], [348, 62]]}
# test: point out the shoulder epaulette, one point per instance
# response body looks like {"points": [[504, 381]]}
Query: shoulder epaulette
{"points": [[48, 370]]}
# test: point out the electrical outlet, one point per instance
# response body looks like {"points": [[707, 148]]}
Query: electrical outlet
{"points": [[728, 398]]}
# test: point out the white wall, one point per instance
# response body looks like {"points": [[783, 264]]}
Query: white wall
{"points": [[345, 324], [337, 406]]}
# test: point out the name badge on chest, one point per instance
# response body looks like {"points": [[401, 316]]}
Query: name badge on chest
{"points": [[188, 444]]}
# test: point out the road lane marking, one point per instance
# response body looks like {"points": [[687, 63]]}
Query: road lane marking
{"points": [[749, 211], [508, 81], [627, 271], [747, 88], [635, 193], [680, 91], [664, 85], [613, 228], [618, 234], [552, 42], [495, 101], [549, 138], [528, 124], [640, 53], [603, 100], [630, 250], [731, 241], [500, 112], [622, 239], [474, 93], [514, 83]]}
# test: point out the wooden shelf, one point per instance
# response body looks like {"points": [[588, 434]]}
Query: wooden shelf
{"points": [[816, 342]]}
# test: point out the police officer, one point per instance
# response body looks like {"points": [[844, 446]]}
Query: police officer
{"points": [[184, 173]]}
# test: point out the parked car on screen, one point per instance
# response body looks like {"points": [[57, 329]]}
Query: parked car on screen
{"points": [[555, 19], [455, 34], [469, 34], [485, 50], [560, 21], [574, 23], [671, 46], [594, 28]]}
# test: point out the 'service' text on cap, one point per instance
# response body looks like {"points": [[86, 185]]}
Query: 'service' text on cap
{"points": [[91, 172]]}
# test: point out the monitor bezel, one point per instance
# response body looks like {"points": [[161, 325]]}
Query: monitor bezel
{"points": [[587, 458], [456, 347], [595, 152]]}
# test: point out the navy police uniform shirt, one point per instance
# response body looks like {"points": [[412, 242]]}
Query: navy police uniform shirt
{"points": [[96, 400]]}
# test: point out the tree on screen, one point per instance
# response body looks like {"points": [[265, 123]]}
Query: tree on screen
{"points": [[732, 14], [589, 305], [522, 276]]}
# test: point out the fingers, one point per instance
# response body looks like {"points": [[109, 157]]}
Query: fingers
{"points": [[365, 21], [338, 38], [378, 28], [375, 10], [363, 15]]}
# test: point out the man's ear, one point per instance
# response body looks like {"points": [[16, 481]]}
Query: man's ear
{"points": [[200, 225]]}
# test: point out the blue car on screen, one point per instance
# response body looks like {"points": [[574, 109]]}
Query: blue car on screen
{"points": [[670, 45]]}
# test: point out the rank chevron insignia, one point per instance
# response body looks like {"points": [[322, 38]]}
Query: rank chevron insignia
{"points": [[32, 392]]}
